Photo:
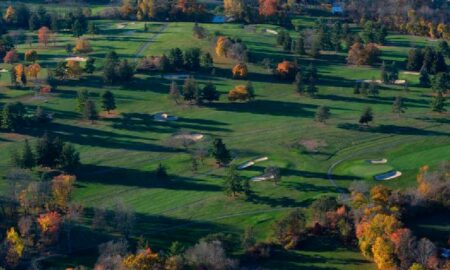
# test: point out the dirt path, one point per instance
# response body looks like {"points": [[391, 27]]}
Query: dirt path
{"points": [[140, 51]]}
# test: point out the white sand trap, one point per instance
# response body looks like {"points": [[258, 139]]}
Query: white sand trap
{"points": [[400, 82], [270, 31], [164, 117], [411, 73], [120, 25], [378, 161], [370, 81], [3, 70], [262, 178], [76, 59], [192, 137], [176, 76], [251, 162], [388, 176]]}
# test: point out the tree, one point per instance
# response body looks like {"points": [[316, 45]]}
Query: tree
{"points": [[444, 48], [286, 70], [274, 173], [207, 61], [77, 28], [61, 188], [240, 92], [289, 230], [73, 69], [27, 159], [424, 78], [210, 93], [124, 72], [82, 45], [415, 59], [441, 82], [192, 58], [248, 239], [311, 89], [44, 35], [438, 103], [176, 58], [384, 74], [233, 182], [234, 8], [240, 71], [16, 247], [33, 70], [11, 57], [190, 90], [398, 106], [366, 117], [31, 56], [300, 46], [417, 266], [82, 98], [221, 153], [268, 8], [90, 112], [108, 101], [161, 172], [363, 55], [48, 151], [299, 86], [322, 114], [90, 67], [383, 254], [70, 158], [10, 15], [174, 92]]}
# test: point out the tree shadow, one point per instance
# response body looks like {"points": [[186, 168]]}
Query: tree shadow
{"points": [[393, 129]]}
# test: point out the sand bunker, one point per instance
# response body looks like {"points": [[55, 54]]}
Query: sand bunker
{"points": [[3, 70], [388, 176], [270, 31], [400, 82], [262, 178], [369, 81], [176, 76], [251, 162], [121, 25], [191, 137], [76, 59], [411, 73], [378, 161], [164, 117]]}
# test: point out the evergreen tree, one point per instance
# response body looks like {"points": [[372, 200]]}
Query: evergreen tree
{"points": [[176, 58], [108, 101], [439, 64], [233, 182], [274, 173], [90, 112], [221, 153], [444, 48], [441, 82], [48, 151], [192, 59], [366, 117], [33, 22], [109, 72], [70, 158], [164, 64], [210, 93], [398, 106], [322, 114], [77, 29], [190, 90], [373, 88], [82, 98], [124, 72], [27, 159], [40, 116], [424, 78], [90, 68], [300, 46], [92, 28], [415, 59], [315, 48], [393, 72], [161, 172], [438, 103], [287, 43], [299, 87], [311, 89], [365, 89], [384, 73], [207, 61]]}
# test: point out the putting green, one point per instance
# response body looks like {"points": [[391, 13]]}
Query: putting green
{"points": [[363, 168]]}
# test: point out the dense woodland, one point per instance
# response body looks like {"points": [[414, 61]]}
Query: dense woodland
{"points": [[42, 221]]}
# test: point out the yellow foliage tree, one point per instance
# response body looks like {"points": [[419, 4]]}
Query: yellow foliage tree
{"points": [[144, 260], [380, 195], [234, 8], [62, 186], [240, 71], [49, 222], [146, 9], [82, 46], [383, 254], [33, 70], [31, 56], [240, 92], [74, 69], [16, 246], [19, 71], [10, 15], [222, 46]]}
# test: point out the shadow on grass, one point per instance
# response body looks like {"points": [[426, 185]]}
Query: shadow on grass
{"points": [[393, 129]]}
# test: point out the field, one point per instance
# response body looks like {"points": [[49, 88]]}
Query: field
{"points": [[119, 153]]}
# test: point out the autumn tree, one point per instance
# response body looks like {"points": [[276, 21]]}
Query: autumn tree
{"points": [[286, 70], [383, 254], [268, 8], [49, 225], [289, 230], [223, 44], [234, 8], [31, 56], [240, 92], [82, 45], [143, 260], [44, 35], [10, 15], [33, 70], [240, 71], [15, 247], [62, 186], [363, 55], [11, 57], [108, 101], [73, 69]]}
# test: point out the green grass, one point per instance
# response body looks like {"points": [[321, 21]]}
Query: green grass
{"points": [[363, 169], [119, 154]]}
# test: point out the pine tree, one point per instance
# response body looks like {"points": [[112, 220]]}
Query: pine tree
{"points": [[441, 82], [210, 93], [424, 78], [221, 153], [322, 114], [90, 68], [82, 97], [384, 73], [190, 90], [77, 28], [48, 151], [70, 158], [27, 159], [398, 106], [90, 112], [233, 182], [299, 87], [366, 117], [108, 101], [300, 46], [311, 89], [207, 61], [438, 103], [373, 88]]}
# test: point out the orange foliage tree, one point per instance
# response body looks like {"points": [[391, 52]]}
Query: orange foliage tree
{"points": [[44, 35], [268, 8], [240, 71], [20, 72], [286, 70], [240, 92], [49, 222], [10, 15], [33, 70], [62, 186], [222, 45], [143, 260], [74, 69], [82, 46], [11, 57]]}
